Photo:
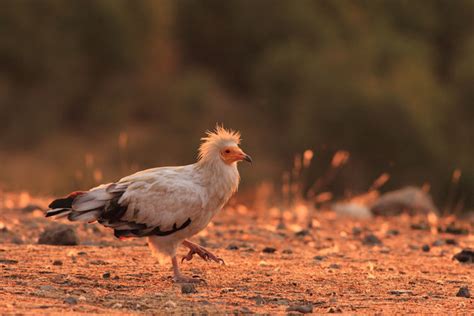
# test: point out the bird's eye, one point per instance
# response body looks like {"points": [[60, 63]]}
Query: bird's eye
{"points": [[227, 151]]}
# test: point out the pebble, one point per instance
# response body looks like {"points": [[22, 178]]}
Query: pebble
{"points": [[463, 292], [319, 258], [46, 288], [188, 288], [420, 226], [57, 263], [305, 309], [438, 243], [106, 275], [371, 240], [451, 241], [333, 310], [451, 229], [356, 231], [334, 266], [245, 310], [70, 300], [269, 250], [170, 304], [393, 232], [425, 248], [59, 235], [8, 261], [287, 251], [259, 300], [232, 247], [400, 292], [302, 233], [465, 256], [117, 305]]}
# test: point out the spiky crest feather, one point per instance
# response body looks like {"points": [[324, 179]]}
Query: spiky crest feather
{"points": [[215, 140]]}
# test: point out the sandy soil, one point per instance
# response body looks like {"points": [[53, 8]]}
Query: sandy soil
{"points": [[329, 267]]}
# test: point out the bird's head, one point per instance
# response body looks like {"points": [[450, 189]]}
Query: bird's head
{"points": [[221, 144]]}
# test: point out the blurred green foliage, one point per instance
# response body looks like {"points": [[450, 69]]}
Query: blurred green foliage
{"points": [[389, 81]]}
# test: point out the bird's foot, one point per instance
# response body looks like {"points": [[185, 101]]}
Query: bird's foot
{"points": [[184, 279], [201, 252]]}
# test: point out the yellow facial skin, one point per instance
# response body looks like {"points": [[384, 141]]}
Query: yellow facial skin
{"points": [[232, 154]]}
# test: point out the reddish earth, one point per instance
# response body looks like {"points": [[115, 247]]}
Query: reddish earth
{"points": [[105, 275]]}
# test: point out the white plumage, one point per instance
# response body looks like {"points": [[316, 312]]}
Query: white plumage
{"points": [[167, 204]]}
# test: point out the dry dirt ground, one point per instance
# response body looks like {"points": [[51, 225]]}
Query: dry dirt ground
{"points": [[329, 267]]}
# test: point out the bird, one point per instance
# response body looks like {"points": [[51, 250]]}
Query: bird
{"points": [[167, 205]]}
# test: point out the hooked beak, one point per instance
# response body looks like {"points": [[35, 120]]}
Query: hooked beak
{"points": [[247, 158]]}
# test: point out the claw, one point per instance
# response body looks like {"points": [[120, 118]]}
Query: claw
{"points": [[188, 257], [204, 254]]}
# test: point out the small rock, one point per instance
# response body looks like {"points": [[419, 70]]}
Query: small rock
{"points": [[333, 310], [451, 229], [245, 310], [438, 243], [409, 199], [259, 300], [334, 266], [302, 233], [70, 300], [46, 288], [116, 277], [188, 288], [463, 292], [170, 304], [319, 258], [281, 225], [59, 235], [425, 248], [356, 231], [385, 250], [82, 253], [232, 247], [287, 251], [305, 309], [465, 256], [227, 290], [8, 261], [106, 275], [57, 263], [450, 241], [98, 262], [117, 305], [400, 292], [420, 226], [413, 247], [393, 232], [82, 298], [371, 240], [269, 250]]}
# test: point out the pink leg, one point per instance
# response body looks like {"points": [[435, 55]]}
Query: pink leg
{"points": [[178, 277]]}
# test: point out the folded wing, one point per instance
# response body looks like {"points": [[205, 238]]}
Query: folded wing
{"points": [[140, 206]]}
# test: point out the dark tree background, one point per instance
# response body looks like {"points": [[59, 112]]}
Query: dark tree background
{"points": [[92, 90]]}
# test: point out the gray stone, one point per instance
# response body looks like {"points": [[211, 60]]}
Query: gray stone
{"points": [[59, 235], [410, 199], [188, 288], [305, 309], [463, 292]]}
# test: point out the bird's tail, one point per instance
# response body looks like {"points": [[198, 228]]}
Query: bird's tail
{"points": [[63, 206], [85, 206]]}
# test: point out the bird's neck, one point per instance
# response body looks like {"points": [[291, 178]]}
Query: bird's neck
{"points": [[220, 179]]}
